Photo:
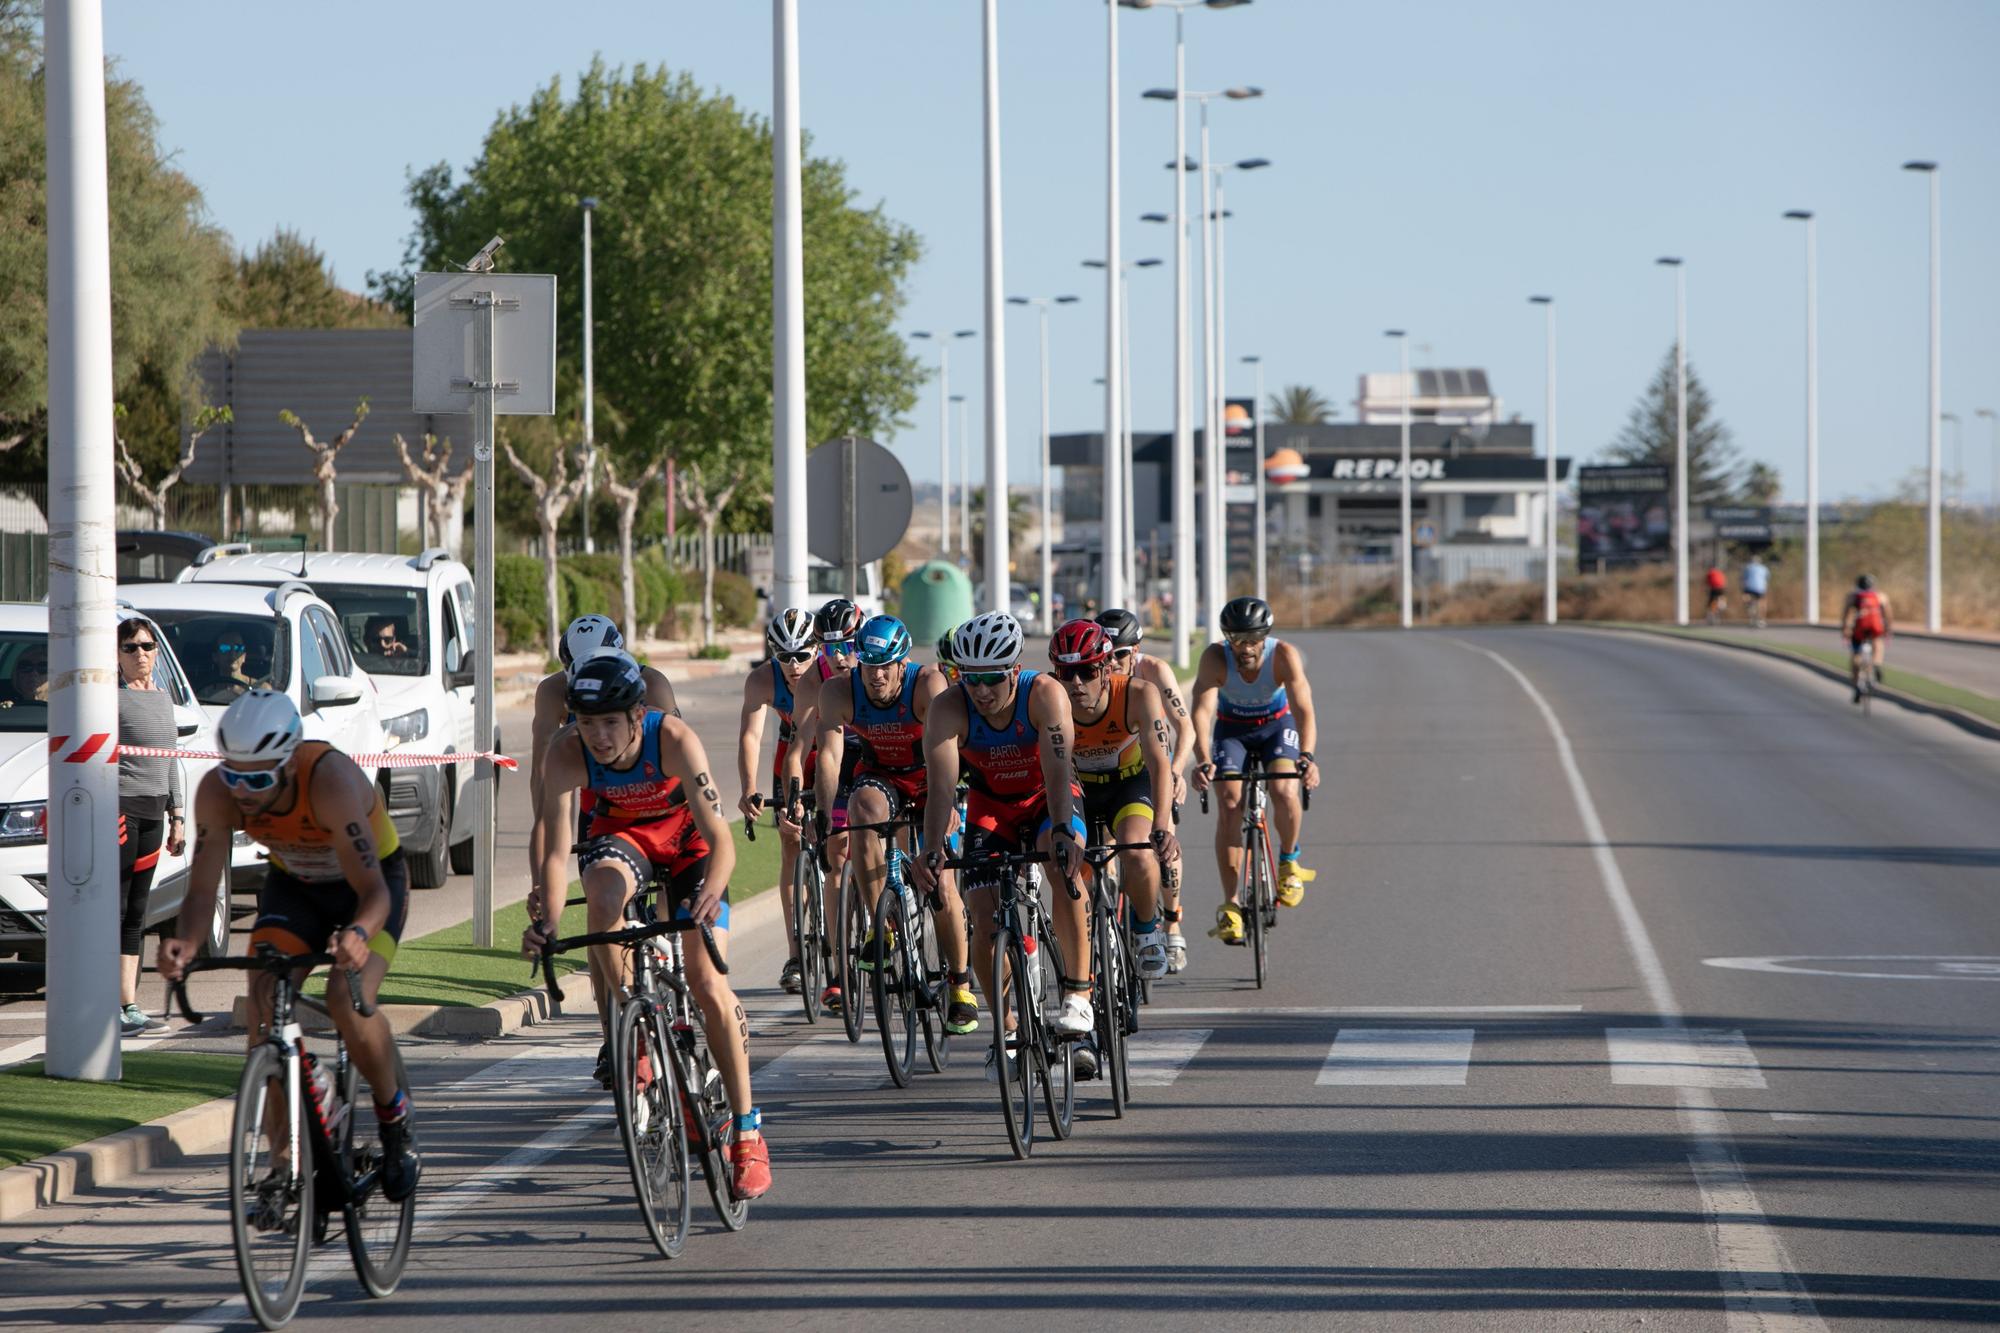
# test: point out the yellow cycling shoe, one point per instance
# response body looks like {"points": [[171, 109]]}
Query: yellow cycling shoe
{"points": [[1228, 924], [962, 1011], [1292, 880]]}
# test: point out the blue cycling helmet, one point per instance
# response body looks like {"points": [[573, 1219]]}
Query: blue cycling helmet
{"points": [[883, 641]]}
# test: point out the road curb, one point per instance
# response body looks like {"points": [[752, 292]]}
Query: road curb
{"points": [[1958, 717], [118, 1158]]}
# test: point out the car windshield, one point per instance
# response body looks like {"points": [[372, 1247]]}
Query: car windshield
{"points": [[24, 682], [385, 626], [225, 655]]}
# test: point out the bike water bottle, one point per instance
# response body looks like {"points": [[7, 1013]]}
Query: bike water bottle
{"points": [[325, 1103], [1034, 966]]}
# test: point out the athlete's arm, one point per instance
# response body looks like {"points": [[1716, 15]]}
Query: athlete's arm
{"points": [[215, 825], [750, 738], [1207, 686], [1884, 600], [834, 707], [1848, 611], [1146, 714], [944, 727], [1049, 715], [1161, 674], [565, 771], [551, 703], [343, 800], [660, 692], [682, 756], [1290, 671]]}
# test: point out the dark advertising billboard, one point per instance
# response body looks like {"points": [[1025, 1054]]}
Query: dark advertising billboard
{"points": [[1239, 449], [1624, 515]]}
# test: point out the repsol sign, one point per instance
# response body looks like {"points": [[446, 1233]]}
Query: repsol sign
{"points": [[1388, 469]]}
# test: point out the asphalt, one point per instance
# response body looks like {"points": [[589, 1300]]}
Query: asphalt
{"points": [[1694, 1027], [1965, 663]]}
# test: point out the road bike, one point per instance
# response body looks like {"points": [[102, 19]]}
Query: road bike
{"points": [[906, 974], [1258, 874], [1864, 683], [672, 1107], [1027, 975], [808, 923], [1117, 990], [281, 1203]]}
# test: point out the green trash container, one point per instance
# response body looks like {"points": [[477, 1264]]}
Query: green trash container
{"points": [[936, 596]]}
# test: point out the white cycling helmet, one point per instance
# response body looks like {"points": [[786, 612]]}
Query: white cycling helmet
{"points": [[585, 635], [991, 642], [791, 631], [259, 725]]}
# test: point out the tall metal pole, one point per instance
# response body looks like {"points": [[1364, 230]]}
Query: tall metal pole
{"points": [[997, 573], [1220, 408], [485, 776], [1680, 442], [1184, 481], [1117, 537], [1258, 537], [1048, 551], [1406, 563], [1812, 414], [1934, 551], [964, 486], [1211, 450], [589, 396], [1127, 468], [83, 881], [788, 299], [944, 445], [1549, 447]]}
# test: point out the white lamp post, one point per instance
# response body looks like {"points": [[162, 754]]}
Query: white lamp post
{"points": [[1812, 411], [1934, 553], [1041, 305], [1548, 305], [1680, 440], [1257, 478], [943, 341], [964, 487], [998, 576], [589, 395], [788, 332], [1405, 563]]}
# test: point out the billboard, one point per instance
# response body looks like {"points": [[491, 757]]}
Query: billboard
{"points": [[1624, 515], [1239, 495]]}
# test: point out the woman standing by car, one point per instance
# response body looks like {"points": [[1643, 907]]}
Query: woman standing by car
{"points": [[149, 803]]}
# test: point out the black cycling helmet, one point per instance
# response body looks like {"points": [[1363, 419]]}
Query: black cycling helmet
{"points": [[1247, 615], [944, 646], [610, 682], [1865, 582], [1122, 626], [838, 621]]}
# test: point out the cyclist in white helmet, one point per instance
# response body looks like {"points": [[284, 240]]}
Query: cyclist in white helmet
{"points": [[792, 641], [585, 636]]}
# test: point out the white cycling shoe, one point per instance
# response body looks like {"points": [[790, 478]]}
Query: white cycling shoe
{"points": [[1077, 1016], [1152, 952], [1176, 952]]}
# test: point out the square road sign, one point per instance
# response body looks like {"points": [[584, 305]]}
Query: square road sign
{"points": [[445, 358]]}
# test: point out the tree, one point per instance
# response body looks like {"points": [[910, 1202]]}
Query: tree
{"points": [[627, 498], [327, 507], [1017, 523], [1299, 405], [708, 501], [553, 495], [169, 263], [1761, 484], [444, 494], [1648, 436], [286, 284], [155, 495]]}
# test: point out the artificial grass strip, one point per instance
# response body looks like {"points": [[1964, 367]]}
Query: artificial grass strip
{"points": [[40, 1115]]}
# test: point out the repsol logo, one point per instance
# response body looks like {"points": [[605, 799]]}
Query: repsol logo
{"points": [[1387, 469]]}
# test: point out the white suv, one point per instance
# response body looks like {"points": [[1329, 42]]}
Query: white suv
{"points": [[408, 621]]}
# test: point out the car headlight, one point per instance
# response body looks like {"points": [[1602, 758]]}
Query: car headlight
{"points": [[24, 823], [409, 727]]}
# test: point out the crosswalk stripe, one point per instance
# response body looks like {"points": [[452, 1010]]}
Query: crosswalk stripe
{"points": [[1682, 1058], [828, 1062], [1398, 1056], [1157, 1056]]}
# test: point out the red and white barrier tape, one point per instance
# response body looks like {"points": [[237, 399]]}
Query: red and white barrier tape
{"points": [[367, 760]]}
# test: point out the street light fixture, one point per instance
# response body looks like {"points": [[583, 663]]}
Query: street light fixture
{"points": [[1680, 438], [1405, 563], [1041, 305], [1548, 305], [1812, 410], [1934, 553], [945, 400]]}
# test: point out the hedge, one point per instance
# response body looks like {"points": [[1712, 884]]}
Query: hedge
{"points": [[586, 583]]}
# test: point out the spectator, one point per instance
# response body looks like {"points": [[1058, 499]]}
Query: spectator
{"points": [[29, 681], [383, 637], [225, 665], [149, 804]]}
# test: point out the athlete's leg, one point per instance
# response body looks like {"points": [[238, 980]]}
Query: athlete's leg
{"points": [[607, 886], [1286, 805], [370, 1040], [867, 805], [1139, 871], [722, 1017], [1228, 834], [1071, 915]]}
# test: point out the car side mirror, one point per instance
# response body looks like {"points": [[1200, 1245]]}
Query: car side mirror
{"points": [[187, 721], [454, 658], [332, 691]]}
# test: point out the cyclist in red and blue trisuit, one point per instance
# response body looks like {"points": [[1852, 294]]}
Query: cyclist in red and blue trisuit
{"points": [[793, 645]]}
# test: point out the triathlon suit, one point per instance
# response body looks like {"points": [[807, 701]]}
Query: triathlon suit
{"points": [[1718, 584], [642, 820], [784, 703], [890, 741], [1110, 762], [1253, 717], [306, 896], [1868, 622], [1006, 804]]}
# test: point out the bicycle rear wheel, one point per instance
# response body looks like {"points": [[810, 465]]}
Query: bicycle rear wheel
{"points": [[1108, 997], [709, 1105], [378, 1231], [650, 1123], [894, 982], [270, 1211], [1017, 1086], [855, 918], [809, 931]]}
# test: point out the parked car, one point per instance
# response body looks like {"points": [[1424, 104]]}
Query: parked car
{"points": [[409, 622], [24, 793], [825, 582], [145, 556]]}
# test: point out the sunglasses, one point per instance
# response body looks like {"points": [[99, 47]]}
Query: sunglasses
{"points": [[259, 780], [232, 647], [839, 648], [137, 646], [1078, 674], [1244, 640], [793, 659], [387, 640], [988, 678]]}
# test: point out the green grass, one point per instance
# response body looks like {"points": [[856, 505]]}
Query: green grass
{"points": [[39, 1115]]}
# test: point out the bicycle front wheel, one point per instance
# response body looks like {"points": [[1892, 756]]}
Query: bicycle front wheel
{"points": [[855, 918], [651, 1124], [378, 1231], [898, 973], [808, 931], [1108, 997], [1257, 866], [270, 1199], [1017, 1084], [1057, 1055]]}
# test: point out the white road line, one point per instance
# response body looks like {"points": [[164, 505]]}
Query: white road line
{"points": [[1354, 1010], [1682, 1058], [35, 1047], [1760, 1287], [825, 1063], [1157, 1056], [1398, 1057]]}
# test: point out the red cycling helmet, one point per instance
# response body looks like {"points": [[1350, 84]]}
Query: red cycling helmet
{"points": [[1080, 643]]}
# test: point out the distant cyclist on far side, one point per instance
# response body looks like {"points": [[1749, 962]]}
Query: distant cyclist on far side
{"points": [[1864, 620]]}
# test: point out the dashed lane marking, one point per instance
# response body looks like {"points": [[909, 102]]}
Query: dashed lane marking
{"points": [[1398, 1057], [1682, 1058], [1157, 1056]]}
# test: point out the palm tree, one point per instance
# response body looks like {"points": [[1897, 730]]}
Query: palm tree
{"points": [[1300, 405]]}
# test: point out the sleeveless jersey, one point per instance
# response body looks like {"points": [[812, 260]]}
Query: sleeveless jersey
{"points": [[891, 736], [1003, 762], [1868, 612], [299, 844], [642, 792], [1252, 702], [1108, 746]]}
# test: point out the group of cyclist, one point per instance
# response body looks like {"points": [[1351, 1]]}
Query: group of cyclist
{"points": [[1034, 759]]}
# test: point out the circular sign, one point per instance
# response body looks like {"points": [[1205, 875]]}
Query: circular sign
{"points": [[1426, 534], [876, 493], [1285, 466], [1874, 966]]}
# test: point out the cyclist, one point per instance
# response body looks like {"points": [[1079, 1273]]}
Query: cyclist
{"points": [[1718, 593], [880, 705], [835, 624], [1010, 730], [585, 636], [793, 644], [946, 667], [1252, 701], [1864, 620], [1126, 632], [336, 882], [1124, 761], [1756, 583], [640, 762]]}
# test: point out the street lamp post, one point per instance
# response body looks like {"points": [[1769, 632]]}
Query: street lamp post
{"points": [[1957, 456], [1934, 553], [1548, 305], [964, 487], [1680, 439], [788, 314], [997, 572], [1115, 333], [589, 397], [1041, 305], [1257, 478], [1118, 469], [1219, 377], [1993, 490], [1812, 411], [943, 341], [1405, 563]]}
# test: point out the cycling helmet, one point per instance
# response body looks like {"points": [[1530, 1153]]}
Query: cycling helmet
{"points": [[791, 631], [1865, 582], [1122, 626], [606, 682], [884, 641], [944, 649], [1079, 643], [1247, 615], [838, 620], [991, 642], [259, 725], [586, 634]]}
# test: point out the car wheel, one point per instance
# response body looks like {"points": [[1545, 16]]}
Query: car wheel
{"points": [[461, 852], [430, 867]]}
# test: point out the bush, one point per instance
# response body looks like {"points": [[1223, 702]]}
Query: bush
{"points": [[517, 589], [735, 599], [515, 630], [712, 652]]}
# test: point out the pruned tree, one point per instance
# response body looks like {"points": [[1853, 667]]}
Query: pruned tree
{"points": [[326, 508], [554, 494], [444, 494], [627, 498], [708, 503], [155, 495]]}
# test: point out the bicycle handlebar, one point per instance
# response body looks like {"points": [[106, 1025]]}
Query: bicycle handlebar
{"points": [[632, 935], [1262, 775], [750, 821], [1101, 853], [1011, 860], [266, 959]]}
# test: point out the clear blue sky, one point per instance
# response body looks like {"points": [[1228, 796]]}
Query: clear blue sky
{"points": [[1435, 163]]}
